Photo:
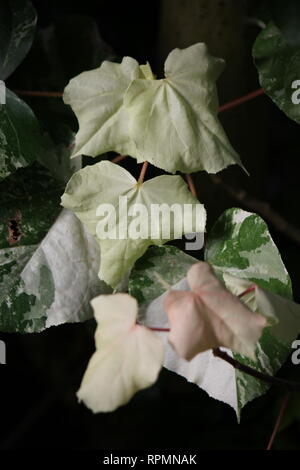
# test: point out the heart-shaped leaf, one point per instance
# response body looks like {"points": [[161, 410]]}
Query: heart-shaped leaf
{"points": [[173, 121], [128, 356], [240, 245], [209, 316], [130, 224]]}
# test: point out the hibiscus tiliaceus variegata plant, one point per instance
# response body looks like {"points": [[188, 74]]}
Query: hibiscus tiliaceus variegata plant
{"points": [[171, 123]]}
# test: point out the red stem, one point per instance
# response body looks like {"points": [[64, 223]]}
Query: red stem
{"points": [[224, 107], [270, 379], [143, 172], [191, 185], [242, 99], [247, 291], [164, 330], [279, 419], [118, 158]]}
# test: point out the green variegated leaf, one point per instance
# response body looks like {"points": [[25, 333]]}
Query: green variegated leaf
{"points": [[173, 121], [240, 245], [48, 262], [129, 227], [275, 344], [17, 26], [278, 64], [19, 135], [29, 203], [158, 269], [220, 380], [96, 98]]}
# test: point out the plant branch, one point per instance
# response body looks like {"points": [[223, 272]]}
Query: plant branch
{"points": [[279, 419], [118, 158], [224, 107], [286, 384], [143, 172], [241, 100], [43, 94], [217, 352], [261, 207], [247, 291], [191, 185], [154, 328]]}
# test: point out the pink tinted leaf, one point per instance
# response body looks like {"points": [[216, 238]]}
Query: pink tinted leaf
{"points": [[210, 316]]}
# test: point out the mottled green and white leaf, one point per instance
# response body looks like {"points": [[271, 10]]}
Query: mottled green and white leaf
{"points": [[48, 272], [29, 204], [213, 375], [275, 344], [52, 282], [220, 380], [158, 269], [238, 245]]}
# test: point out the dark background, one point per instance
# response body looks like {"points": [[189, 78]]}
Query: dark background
{"points": [[38, 406]]}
